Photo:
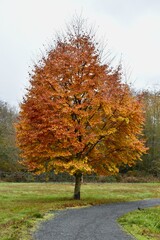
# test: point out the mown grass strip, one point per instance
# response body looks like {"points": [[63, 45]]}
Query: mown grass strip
{"points": [[144, 224]]}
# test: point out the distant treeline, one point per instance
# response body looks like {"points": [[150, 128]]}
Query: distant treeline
{"points": [[9, 153]]}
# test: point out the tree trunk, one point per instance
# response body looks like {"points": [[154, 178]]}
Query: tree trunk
{"points": [[78, 178]]}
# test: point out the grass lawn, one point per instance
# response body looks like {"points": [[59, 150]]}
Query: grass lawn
{"points": [[22, 204], [143, 224]]}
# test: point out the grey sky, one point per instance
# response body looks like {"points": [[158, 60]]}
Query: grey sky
{"points": [[132, 29]]}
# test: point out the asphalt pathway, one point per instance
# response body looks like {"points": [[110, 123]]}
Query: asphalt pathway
{"points": [[90, 223]]}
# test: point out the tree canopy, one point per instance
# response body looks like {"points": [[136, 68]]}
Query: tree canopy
{"points": [[78, 116]]}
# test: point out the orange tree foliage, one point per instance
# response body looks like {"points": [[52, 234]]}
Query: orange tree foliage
{"points": [[77, 115]]}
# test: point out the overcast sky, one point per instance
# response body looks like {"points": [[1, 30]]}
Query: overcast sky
{"points": [[131, 28]]}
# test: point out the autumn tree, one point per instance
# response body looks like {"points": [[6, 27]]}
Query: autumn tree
{"points": [[78, 116]]}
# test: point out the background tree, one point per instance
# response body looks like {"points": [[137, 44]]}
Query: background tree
{"points": [[8, 149], [78, 117], [151, 161]]}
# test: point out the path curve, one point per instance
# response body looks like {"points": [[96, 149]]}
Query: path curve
{"points": [[90, 223]]}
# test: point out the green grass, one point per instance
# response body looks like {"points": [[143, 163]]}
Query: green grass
{"points": [[22, 204], [143, 224]]}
